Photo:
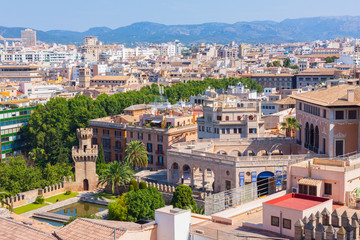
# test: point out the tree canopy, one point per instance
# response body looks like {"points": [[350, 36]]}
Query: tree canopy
{"points": [[16, 177], [183, 198], [52, 127], [136, 205]]}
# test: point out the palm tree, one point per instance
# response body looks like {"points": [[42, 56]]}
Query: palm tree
{"points": [[116, 173], [136, 154], [290, 126], [3, 195]]}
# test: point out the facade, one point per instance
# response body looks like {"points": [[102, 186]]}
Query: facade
{"points": [[84, 77], [278, 81], [330, 120], [20, 73], [85, 156], [281, 214], [114, 80], [313, 77], [216, 165], [28, 38], [337, 179], [230, 119], [157, 132], [11, 122]]}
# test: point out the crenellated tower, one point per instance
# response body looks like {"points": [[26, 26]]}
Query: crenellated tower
{"points": [[85, 156]]}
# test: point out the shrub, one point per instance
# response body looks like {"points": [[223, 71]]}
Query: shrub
{"points": [[136, 205], [118, 209], [131, 188], [40, 199], [135, 184], [183, 197], [68, 192], [142, 185]]}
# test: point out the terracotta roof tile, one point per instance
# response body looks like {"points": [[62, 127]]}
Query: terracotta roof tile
{"points": [[19, 231]]}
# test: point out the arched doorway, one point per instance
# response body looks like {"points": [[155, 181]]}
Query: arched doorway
{"points": [[221, 152], [277, 152], [174, 173], [86, 185], [235, 153], [307, 135], [262, 153], [312, 135], [250, 153], [265, 183], [316, 149], [186, 178]]}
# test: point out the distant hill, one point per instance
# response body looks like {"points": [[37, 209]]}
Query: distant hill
{"points": [[289, 30]]}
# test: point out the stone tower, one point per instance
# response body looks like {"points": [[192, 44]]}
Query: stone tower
{"points": [[84, 77], [85, 156]]}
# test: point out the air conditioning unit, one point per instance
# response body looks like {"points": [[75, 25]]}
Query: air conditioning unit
{"points": [[294, 189]]}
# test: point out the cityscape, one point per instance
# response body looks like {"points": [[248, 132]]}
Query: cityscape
{"points": [[202, 126]]}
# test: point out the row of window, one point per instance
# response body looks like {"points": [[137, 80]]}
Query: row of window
{"points": [[226, 130], [275, 221], [12, 122], [140, 136], [268, 107], [160, 160], [9, 131], [312, 190]]}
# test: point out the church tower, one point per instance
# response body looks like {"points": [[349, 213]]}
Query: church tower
{"points": [[84, 77], [85, 156]]}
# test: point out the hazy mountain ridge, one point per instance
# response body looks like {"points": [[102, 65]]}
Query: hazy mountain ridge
{"points": [[288, 30]]}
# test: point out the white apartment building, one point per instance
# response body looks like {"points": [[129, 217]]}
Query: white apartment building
{"points": [[230, 118]]}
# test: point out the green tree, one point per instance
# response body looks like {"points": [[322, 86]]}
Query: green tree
{"points": [[38, 157], [136, 205], [276, 63], [290, 126], [269, 64], [183, 197], [142, 185], [100, 161], [118, 209], [286, 62], [136, 154], [114, 174]]}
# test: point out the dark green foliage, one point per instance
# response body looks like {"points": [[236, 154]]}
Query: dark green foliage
{"points": [[135, 184], [286, 62], [40, 199], [183, 197], [73, 218], [68, 192], [16, 177], [100, 161], [131, 188], [330, 59], [136, 205], [294, 67], [52, 127], [142, 185]]}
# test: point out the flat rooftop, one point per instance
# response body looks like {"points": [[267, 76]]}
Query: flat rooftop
{"points": [[297, 201]]}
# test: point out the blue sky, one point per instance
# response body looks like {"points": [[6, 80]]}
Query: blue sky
{"points": [[80, 15]]}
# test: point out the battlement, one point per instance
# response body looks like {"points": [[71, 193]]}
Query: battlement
{"points": [[84, 133], [80, 154]]}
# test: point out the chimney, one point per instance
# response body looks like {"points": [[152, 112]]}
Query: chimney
{"points": [[309, 168], [351, 95], [328, 84]]}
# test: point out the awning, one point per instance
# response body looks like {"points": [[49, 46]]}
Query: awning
{"points": [[309, 181], [156, 121]]}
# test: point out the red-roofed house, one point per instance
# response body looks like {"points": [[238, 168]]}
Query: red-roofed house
{"points": [[281, 214]]}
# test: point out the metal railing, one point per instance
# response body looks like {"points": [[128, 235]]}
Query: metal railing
{"points": [[223, 200]]}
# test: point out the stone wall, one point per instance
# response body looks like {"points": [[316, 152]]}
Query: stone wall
{"points": [[326, 226], [48, 191]]}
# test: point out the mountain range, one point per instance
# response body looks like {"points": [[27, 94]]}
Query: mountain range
{"points": [[288, 30]]}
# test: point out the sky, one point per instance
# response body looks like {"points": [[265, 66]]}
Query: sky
{"points": [[80, 15]]}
